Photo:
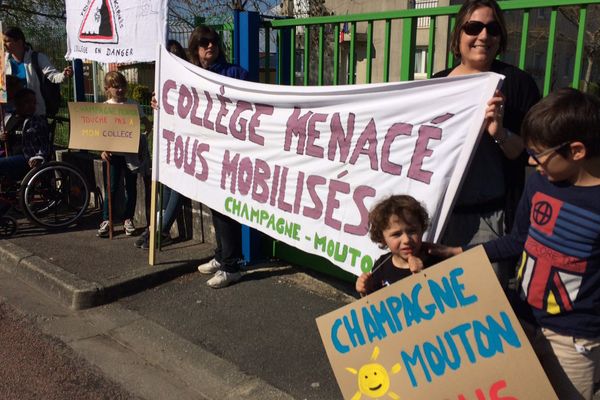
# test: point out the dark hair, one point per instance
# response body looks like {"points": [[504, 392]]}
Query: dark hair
{"points": [[402, 206], [468, 7], [204, 32], [15, 33], [566, 115], [173, 46], [22, 94]]}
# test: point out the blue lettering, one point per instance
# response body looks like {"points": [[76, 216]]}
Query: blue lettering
{"points": [[382, 316], [442, 297], [492, 340], [461, 330], [434, 359], [370, 325], [508, 333], [455, 364], [353, 330], [459, 288], [395, 305], [342, 348], [412, 361]]}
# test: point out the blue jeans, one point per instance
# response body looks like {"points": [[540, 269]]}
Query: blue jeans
{"points": [[228, 234], [14, 167], [171, 205], [118, 172]]}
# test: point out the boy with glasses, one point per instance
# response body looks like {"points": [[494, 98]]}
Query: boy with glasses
{"points": [[557, 230]]}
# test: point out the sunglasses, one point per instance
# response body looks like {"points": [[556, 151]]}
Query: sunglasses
{"points": [[204, 42], [474, 28], [537, 156]]}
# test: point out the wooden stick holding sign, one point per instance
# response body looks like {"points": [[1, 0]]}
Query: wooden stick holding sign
{"points": [[107, 128], [108, 195], [3, 130]]}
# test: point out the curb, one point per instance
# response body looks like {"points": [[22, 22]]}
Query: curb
{"points": [[77, 293]]}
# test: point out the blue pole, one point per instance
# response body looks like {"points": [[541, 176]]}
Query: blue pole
{"points": [[78, 80], [248, 37], [236, 37], [246, 53]]}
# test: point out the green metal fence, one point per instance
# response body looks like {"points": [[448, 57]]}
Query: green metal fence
{"points": [[381, 47], [321, 56]]}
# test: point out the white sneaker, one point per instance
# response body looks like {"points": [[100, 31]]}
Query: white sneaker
{"points": [[210, 267], [223, 279], [103, 230], [129, 227]]}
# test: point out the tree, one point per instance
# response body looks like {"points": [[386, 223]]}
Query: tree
{"points": [[591, 48], [215, 11], [33, 15]]}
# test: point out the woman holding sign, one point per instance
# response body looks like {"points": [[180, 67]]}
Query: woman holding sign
{"points": [[206, 51], [488, 198]]}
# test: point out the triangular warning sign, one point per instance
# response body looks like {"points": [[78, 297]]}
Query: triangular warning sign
{"points": [[98, 25]]}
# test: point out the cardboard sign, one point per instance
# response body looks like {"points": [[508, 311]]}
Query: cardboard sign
{"points": [[104, 127], [446, 333], [3, 95]]}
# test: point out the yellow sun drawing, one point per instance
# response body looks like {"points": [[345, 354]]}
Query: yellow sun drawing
{"points": [[373, 379]]}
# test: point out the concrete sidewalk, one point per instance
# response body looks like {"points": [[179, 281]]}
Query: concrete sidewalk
{"points": [[84, 271]]}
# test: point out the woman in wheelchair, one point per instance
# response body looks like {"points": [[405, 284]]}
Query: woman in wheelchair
{"points": [[25, 139]]}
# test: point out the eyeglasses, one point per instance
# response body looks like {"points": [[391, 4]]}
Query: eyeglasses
{"points": [[537, 156], [474, 28], [204, 42]]}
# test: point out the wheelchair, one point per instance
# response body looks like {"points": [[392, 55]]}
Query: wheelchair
{"points": [[53, 195]]}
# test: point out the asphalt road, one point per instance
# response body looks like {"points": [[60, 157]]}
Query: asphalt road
{"points": [[265, 325], [34, 366]]}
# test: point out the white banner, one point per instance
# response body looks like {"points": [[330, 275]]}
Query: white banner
{"points": [[305, 164], [115, 31]]}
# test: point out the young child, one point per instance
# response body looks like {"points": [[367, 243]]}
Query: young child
{"points": [[398, 223], [123, 165], [27, 137], [557, 231]]}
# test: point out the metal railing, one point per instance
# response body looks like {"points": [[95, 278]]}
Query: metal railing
{"points": [[320, 56]]}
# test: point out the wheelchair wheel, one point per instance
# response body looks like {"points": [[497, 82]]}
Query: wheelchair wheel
{"points": [[54, 195], [8, 227]]}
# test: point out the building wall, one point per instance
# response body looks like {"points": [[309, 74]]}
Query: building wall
{"points": [[344, 7]]}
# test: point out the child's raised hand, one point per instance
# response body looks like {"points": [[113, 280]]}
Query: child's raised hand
{"points": [[363, 283], [415, 264]]}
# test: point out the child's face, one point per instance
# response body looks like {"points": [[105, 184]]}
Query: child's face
{"points": [[26, 106], [117, 92], [403, 238], [549, 162]]}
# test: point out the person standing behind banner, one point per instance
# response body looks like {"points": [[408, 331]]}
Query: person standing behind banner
{"points": [[206, 51], [18, 62], [123, 166], [172, 200], [486, 204]]}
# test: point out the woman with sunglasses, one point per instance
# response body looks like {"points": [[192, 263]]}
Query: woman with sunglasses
{"points": [[206, 51], [487, 202]]}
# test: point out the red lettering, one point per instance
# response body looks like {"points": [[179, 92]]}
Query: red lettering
{"points": [[493, 392], [169, 84]]}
